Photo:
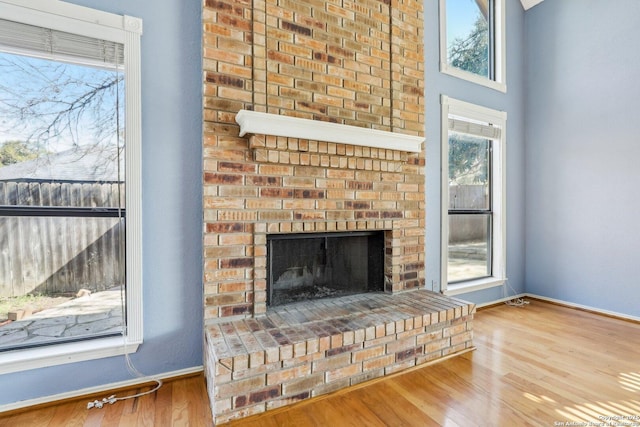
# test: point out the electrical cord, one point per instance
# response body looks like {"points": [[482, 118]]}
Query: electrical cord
{"points": [[514, 302], [130, 367], [113, 399], [129, 364]]}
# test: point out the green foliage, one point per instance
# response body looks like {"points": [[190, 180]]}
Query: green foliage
{"points": [[472, 53], [17, 151], [468, 159]]}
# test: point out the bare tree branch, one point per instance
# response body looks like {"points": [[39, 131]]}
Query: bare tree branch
{"points": [[47, 101]]}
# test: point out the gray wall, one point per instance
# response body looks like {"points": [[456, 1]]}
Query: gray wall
{"points": [[512, 102], [583, 149], [172, 217]]}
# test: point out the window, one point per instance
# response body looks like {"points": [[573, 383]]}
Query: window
{"points": [[473, 226], [69, 184], [472, 41]]}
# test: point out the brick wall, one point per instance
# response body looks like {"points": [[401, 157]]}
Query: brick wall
{"points": [[357, 63], [350, 62]]}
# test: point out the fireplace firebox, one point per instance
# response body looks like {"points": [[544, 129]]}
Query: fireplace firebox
{"points": [[311, 266]]}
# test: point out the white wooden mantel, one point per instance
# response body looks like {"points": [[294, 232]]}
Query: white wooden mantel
{"points": [[257, 123]]}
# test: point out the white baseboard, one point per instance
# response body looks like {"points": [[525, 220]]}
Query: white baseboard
{"points": [[586, 307], [98, 389], [501, 300], [565, 303]]}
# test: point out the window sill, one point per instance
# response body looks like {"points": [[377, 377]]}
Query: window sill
{"points": [[473, 78], [60, 354], [473, 285]]}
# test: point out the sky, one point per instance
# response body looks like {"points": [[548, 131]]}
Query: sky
{"points": [[461, 15], [54, 84]]}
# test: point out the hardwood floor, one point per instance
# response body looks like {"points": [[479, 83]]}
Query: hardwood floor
{"points": [[180, 402], [539, 365]]}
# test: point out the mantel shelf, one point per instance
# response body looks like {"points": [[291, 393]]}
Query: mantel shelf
{"points": [[253, 122]]}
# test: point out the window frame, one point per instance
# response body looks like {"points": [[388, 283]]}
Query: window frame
{"points": [[127, 31], [472, 112], [498, 59], [488, 211]]}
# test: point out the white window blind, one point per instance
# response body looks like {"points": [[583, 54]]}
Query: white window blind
{"points": [[16, 37], [473, 128]]}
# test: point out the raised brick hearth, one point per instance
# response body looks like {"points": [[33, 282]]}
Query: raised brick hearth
{"points": [[311, 348], [350, 63]]}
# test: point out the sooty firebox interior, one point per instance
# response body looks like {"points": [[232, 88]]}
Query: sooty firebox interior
{"points": [[310, 266]]}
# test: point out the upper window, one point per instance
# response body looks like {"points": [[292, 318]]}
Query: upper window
{"points": [[472, 41], [473, 231], [69, 184]]}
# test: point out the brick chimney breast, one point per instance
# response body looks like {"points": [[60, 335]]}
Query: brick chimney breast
{"points": [[351, 63], [355, 65]]}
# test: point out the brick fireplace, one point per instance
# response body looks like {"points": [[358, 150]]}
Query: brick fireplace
{"points": [[356, 67]]}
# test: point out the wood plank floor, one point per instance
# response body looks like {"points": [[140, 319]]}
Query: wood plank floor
{"points": [[537, 365]]}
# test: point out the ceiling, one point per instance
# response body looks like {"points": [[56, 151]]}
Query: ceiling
{"points": [[528, 4]]}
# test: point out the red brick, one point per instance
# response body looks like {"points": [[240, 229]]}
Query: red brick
{"points": [[278, 60], [379, 362], [343, 349], [286, 375], [299, 385], [454, 330], [237, 387], [461, 338], [341, 373], [278, 403], [334, 362], [368, 353], [257, 397]]}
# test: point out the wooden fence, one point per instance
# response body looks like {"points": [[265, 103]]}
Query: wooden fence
{"points": [[467, 228], [70, 194], [54, 255]]}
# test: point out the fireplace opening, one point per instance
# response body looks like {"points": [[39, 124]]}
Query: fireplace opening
{"points": [[311, 266]]}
